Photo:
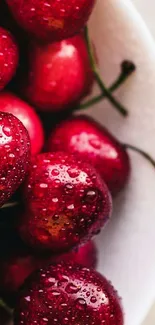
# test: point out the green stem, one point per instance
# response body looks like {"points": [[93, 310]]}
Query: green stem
{"points": [[91, 102], [4, 306], [9, 205], [101, 84], [141, 152], [127, 68]]}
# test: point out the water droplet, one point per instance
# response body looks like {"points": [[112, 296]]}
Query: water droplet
{"points": [[55, 172], [63, 305], [95, 143], [45, 319], [72, 288], [70, 207], [93, 299], [28, 298], [6, 131], [57, 181], [90, 195], [43, 185], [55, 293], [68, 188], [65, 320], [51, 280], [73, 172], [81, 303], [55, 217], [11, 155], [55, 199]]}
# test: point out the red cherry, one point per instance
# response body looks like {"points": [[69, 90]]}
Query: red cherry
{"points": [[85, 255], [8, 57], [90, 141], [26, 114], [15, 268], [14, 155], [66, 202], [8, 22], [13, 272], [68, 294], [15, 262], [59, 74], [52, 19]]}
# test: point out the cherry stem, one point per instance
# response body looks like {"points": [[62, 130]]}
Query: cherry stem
{"points": [[9, 205], [4, 306], [98, 78], [127, 68], [141, 152]]}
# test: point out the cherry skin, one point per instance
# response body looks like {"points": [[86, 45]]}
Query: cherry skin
{"points": [[68, 294], [85, 255], [59, 74], [90, 141], [66, 202], [51, 20], [14, 155], [26, 114], [14, 271], [8, 57], [19, 264]]}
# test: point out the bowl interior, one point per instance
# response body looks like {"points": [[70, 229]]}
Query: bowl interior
{"points": [[126, 245]]}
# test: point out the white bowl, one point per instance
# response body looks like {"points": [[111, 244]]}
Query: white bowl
{"points": [[127, 245]]}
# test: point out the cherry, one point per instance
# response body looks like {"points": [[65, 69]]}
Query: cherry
{"points": [[15, 260], [59, 74], [67, 294], [85, 255], [91, 142], [26, 114], [14, 155], [16, 266], [66, 202], [8, 57], [13, 272], [52, 19], [8, 22]]}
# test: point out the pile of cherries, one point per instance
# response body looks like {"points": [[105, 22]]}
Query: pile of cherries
{"points": [[58, 172]]}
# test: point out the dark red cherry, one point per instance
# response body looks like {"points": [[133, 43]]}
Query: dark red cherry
{"points": [[59, 74], [13, 272], [14, 155], [68, 294], [52, 19], [66, 202], [26, 114], [16, 266], [8, 57], [85, 255], [91, 142]]}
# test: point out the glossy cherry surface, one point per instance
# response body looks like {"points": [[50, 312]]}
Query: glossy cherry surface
{"points": [[16, 266], [59, 74], [66, 202], [68, 294], [13, 272], [8, 57], [85, 255], [14, 155], [91, 142], [10, 103], [52, 19]]}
